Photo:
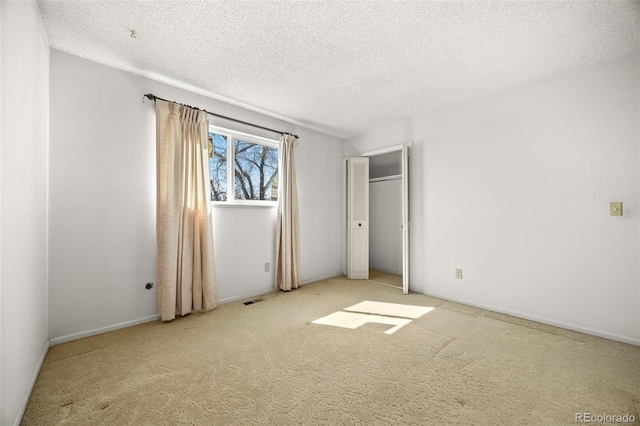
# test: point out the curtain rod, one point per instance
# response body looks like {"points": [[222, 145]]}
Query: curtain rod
{"points": [[152, 97]]}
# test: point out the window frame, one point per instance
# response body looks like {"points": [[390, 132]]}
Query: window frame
{"points": [[231, 183]]}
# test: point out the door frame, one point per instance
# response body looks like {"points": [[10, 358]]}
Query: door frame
{"points": [[403, 149]]}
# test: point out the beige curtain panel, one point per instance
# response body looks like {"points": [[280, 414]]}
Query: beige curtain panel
{"points": [[287, 233], [186, 272]]}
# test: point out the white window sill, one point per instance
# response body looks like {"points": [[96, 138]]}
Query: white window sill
{"points": [[253, 204]]}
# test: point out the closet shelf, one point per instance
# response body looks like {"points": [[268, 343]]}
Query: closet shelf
{"points": [[383, 178]]}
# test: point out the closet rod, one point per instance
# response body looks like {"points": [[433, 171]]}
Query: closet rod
{"points": [[152, 97]]}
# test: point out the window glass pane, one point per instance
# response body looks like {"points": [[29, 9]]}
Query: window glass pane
{"points": [[256, 171], [218, 166]]}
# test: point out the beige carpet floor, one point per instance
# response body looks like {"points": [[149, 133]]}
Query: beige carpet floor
{"points": [[267, 363], [385, 278]]}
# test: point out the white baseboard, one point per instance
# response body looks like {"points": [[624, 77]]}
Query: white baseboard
{"points": [[247, 295], [27, 395], [585, 330], [271, 290], [325, 277], [80, 335], [93, 332]]}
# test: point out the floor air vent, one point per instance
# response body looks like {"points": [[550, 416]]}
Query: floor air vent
{"points": [[251, 302]]}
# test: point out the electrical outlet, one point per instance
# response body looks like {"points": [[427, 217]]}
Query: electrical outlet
{"points": [[267, 267], [615, 208], [459, 274]]}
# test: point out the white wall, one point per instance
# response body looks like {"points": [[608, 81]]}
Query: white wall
{"points": [[242, 273], [515, 190], [23, 223], [102, 211], [385, 226], [1, 48]]}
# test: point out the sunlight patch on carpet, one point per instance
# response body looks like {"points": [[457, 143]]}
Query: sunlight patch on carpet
{"points": [[393, 314], [353, 320], [390, 309]]}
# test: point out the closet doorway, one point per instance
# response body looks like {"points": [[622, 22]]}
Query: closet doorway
{"points": [[378, 216]]}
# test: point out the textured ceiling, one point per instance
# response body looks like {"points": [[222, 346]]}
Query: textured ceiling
{"points": [[344, 67]]}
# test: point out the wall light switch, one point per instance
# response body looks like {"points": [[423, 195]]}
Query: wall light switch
{"points": [[615, 208], [459, 274]]}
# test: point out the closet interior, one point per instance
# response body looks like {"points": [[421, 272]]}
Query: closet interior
{"points": [[385, 218]]}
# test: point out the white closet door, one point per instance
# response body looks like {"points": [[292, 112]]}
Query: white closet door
{"points": [[358, 218], [405, 219]]}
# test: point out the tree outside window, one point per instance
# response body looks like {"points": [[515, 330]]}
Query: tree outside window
{"points": [[255, 168]]}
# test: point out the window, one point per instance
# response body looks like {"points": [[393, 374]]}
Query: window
{"points": [[251, 160]]}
